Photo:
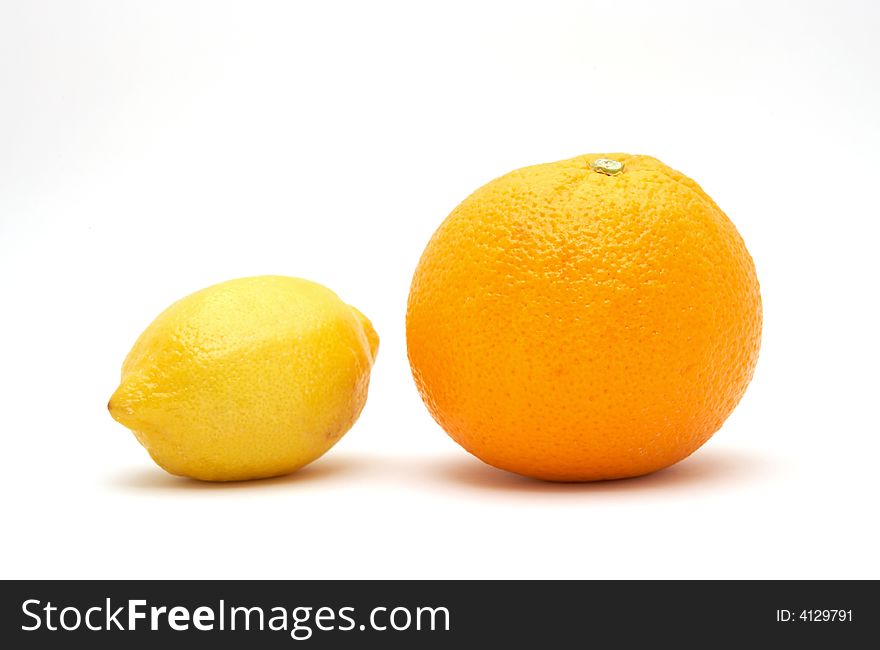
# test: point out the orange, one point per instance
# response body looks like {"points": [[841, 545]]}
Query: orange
{"points": [[593, 318]]}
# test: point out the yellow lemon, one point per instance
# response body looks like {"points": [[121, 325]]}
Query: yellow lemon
{"points": [[250, 378]]}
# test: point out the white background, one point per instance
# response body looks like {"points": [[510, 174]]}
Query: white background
{"points": [[148, 149]]}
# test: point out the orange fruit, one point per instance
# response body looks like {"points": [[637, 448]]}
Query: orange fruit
{"points": [[593, 318]]}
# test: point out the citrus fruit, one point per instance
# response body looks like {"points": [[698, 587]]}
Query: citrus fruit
{"points": [[250, 378], [593, 318]]}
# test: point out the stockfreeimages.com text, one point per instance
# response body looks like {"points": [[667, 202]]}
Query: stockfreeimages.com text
{"points": [[299, 622]]}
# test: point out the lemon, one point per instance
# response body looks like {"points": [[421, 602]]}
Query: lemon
{"points": [[246, 379]]}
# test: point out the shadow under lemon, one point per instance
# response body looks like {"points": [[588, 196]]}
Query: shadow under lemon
{"points": [[152, 478]]}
